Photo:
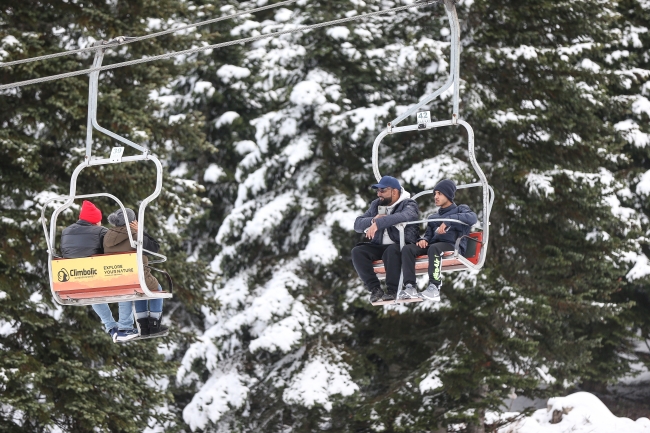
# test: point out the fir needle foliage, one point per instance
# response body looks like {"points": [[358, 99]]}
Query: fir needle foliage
{"points": [[59, 369], [268, 146]]}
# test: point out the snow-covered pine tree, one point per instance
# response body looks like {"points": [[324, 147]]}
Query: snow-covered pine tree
{"points": [[295, 344], [631, 61], [59, 371]]}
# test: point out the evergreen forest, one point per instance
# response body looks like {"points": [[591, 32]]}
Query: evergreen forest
{"points": [[267, 155]]}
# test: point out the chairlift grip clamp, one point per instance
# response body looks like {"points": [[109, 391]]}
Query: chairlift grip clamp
{"points": [[389, 128], [454, 119]]}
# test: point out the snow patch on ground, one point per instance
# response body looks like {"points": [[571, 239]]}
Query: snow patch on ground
{"points": [[582, 412]]}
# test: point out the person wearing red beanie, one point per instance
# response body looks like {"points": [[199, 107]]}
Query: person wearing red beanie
{"points": [[85, 238], [90, 212]]}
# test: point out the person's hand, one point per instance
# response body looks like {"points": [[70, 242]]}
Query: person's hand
{"points": [[422, 243], [134, 226], [370, 233], [442, 229]]}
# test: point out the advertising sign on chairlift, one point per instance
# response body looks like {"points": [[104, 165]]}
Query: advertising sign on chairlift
{"points": [[424, 118]]}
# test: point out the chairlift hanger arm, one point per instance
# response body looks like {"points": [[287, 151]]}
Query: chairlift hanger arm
{"points": [[454, 71]]}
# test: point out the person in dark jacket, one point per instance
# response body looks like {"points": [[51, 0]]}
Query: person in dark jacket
{"points": [[148, 312], [392, 206], [439, 237], [84, 239]]}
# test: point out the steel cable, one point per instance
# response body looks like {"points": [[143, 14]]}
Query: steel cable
{"points": [[214, 46], [129, 40]]}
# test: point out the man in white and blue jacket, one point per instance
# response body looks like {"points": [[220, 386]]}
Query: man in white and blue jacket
{"points": [[439, 237], [397, 207]]}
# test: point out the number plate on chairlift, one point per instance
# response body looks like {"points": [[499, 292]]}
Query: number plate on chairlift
{"points": [[424, 118], [116, 154]]}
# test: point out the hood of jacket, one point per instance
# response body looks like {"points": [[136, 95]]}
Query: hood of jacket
{"points": [[115, 236], [402, 196]]}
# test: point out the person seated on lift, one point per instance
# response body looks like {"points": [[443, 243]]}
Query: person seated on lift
{"points": [[85, 238], [439, 237], [397, 207], [148, 312]]}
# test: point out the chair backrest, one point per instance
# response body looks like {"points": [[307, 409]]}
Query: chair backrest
{"points": [[474, 245]]}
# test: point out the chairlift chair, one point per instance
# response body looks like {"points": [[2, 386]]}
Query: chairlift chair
{"points": [[475, 255], [102, 278]]}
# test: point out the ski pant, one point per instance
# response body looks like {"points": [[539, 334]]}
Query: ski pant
{"points": [[365, 253], [434, 251]]}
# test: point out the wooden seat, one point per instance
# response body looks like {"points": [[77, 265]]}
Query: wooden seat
{"points": [[99, 276], [472, 253]]}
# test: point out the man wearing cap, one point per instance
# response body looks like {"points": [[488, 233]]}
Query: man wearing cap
{"points": [[439, 237], [392, 206], [84, 239]]}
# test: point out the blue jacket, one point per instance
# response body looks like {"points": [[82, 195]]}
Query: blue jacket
{"points": [[405, 210], [462, 213]]}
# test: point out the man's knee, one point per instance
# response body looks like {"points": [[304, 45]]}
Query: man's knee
{"points": [[360, 256], [357, 252], [435, 250], [392, 251], [410, 250]]}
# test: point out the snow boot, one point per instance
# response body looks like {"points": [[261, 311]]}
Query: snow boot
{"points": [[155, 328], [144, 326]]}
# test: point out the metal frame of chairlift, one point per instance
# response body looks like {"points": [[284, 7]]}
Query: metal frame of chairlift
{"points": [[90, 161], [488, 193]]}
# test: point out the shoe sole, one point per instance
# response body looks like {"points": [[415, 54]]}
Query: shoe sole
{"points": [[435, 298], [147, 337], [406, 301], [127, 338], [392, 301]]}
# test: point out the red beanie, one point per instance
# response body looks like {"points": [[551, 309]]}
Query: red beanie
{"points": [[90, 213]]}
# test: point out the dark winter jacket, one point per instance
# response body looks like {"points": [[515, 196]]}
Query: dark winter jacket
{"points": [[82, 239], [406, 210], [117, 241], [462, 213]]}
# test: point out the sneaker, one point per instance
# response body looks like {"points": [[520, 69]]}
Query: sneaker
{"points": [[125, 335], [389, 296], [376, 294], [409, 292], [112, 333], [432, 292]]}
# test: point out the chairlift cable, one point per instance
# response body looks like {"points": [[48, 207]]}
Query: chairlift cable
{"points": [[214, 46], [128, 40]]}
